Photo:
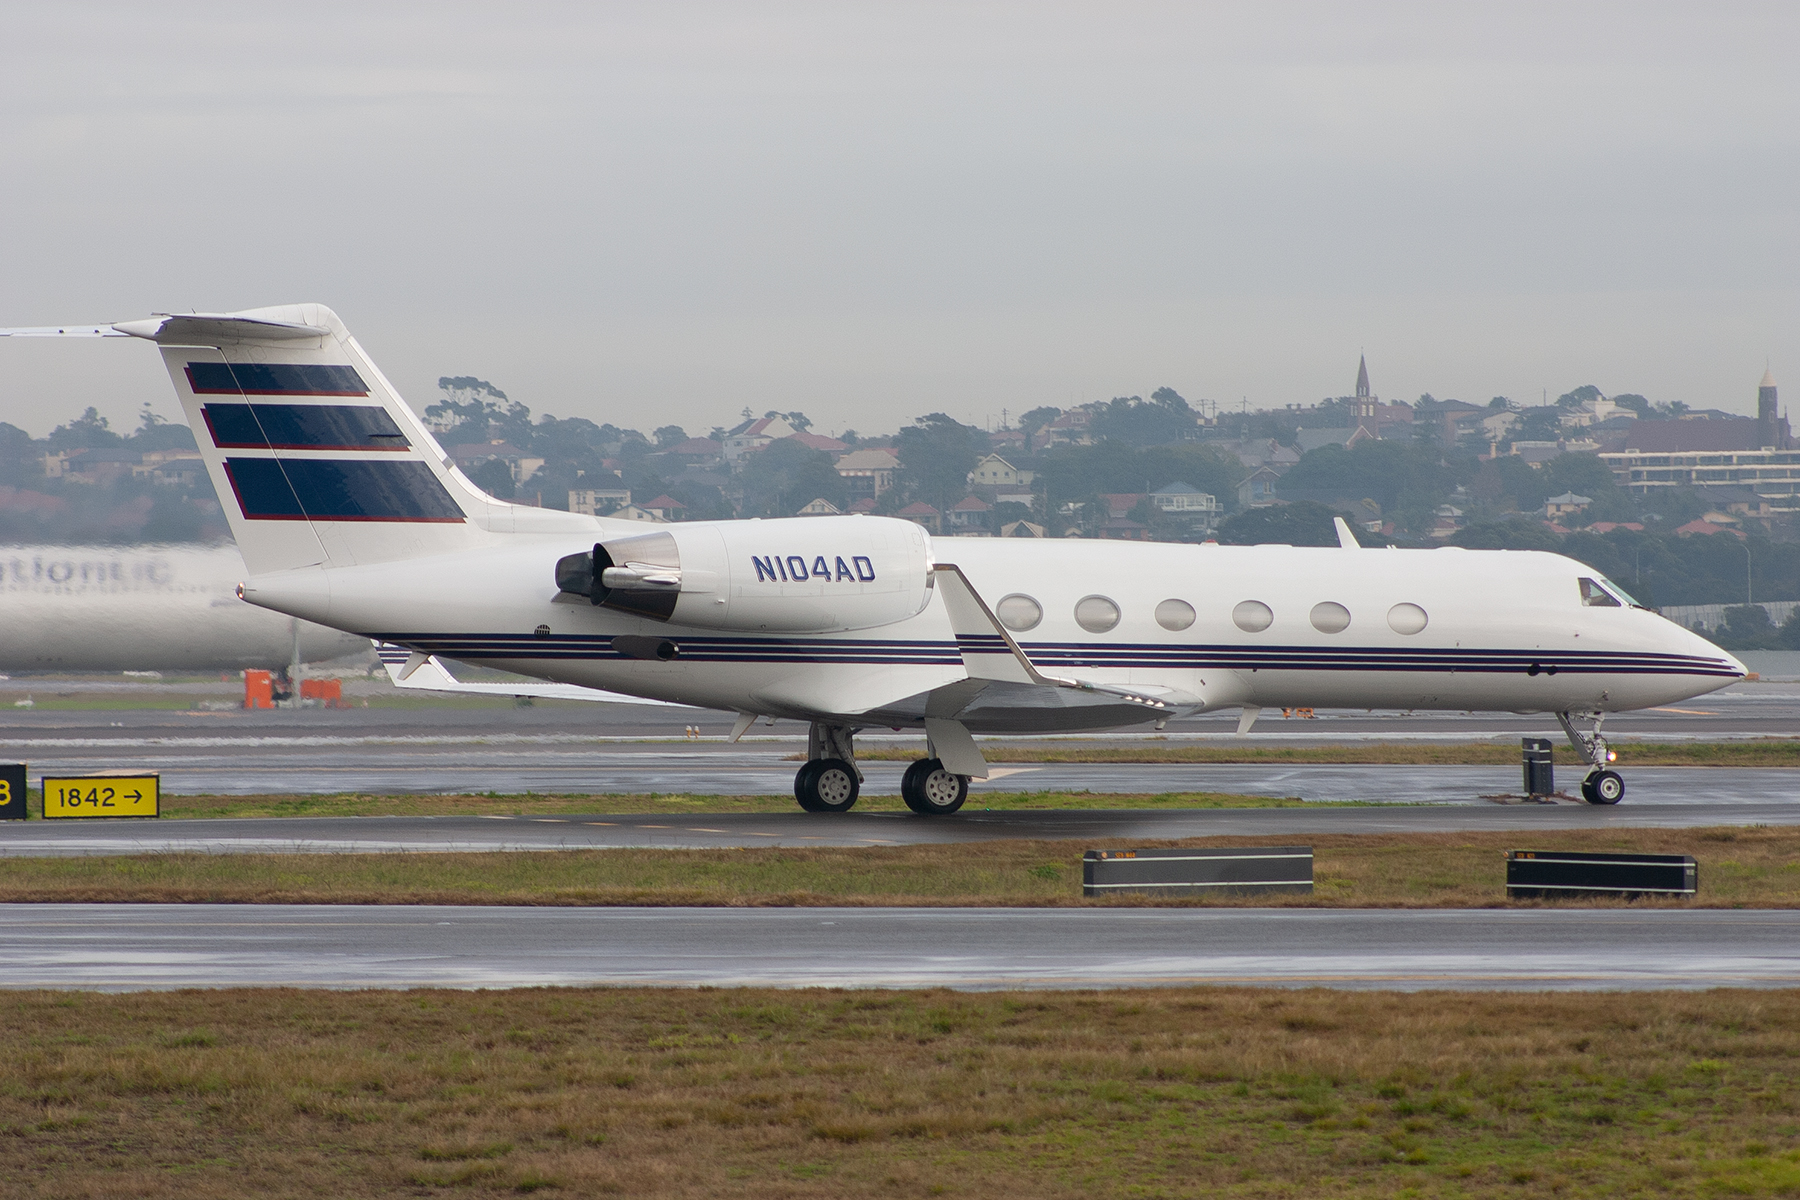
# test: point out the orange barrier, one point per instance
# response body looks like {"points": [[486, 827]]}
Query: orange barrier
{"points": [[259, 689], [328, 692]]}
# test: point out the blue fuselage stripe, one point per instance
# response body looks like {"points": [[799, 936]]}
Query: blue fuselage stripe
{"points": [[1143, 656]]}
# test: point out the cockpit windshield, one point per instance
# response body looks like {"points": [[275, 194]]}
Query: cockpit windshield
{"points": [[1621, 593], [1604, 593], [1595, 596]]}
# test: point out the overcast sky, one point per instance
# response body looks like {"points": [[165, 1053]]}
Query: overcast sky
{"points": [[668, 212]]}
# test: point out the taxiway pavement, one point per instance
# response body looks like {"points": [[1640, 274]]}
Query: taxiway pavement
{"points": [[131, 947]]}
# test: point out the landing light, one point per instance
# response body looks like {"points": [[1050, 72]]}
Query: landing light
{"points": [[1612, 756]]}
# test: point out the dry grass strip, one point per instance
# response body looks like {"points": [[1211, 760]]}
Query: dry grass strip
{"points": [[1750, 867], [813, 1094]]}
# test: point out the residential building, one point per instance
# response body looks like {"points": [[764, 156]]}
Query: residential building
{"points": [[1452, 418], [183, 468], [596, 502], [696, 451], [868, 473], [1565, 505], [664, 508], [818, 441], [996, 472], [1124, 529], [1069, 429], [1120, 504], [1693, 434], [819, 507], [1446, 521], [1258, 489], [753, 435], [1773, 475], [1022, 529], [1536, 454], [921, 513], [519, 463], [632, 512], [969, 517], [91, 466], [1705, 528]]}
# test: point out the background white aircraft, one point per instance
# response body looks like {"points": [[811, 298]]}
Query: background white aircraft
{"points": [[144, 608], [348, 513]]}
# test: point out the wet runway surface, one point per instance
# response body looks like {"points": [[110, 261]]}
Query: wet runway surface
{"points": [[1762, 798], [129, 947]]}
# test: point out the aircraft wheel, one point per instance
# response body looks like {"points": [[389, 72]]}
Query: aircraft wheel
{"points": [[1603, 787], [931, 791], [826, 785]]}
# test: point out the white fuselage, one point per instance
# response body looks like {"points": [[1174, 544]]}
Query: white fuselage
{"points": [[1503, 630]]}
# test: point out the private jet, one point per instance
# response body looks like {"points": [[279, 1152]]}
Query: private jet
{"points": [[349, 514]]}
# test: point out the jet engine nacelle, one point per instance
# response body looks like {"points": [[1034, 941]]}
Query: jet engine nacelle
{"points": [[796, 575]]}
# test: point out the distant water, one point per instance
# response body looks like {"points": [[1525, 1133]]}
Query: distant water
{"points": [[1783, 665]]}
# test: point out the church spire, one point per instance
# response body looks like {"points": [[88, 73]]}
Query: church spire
{"points": [[1362, 377]]}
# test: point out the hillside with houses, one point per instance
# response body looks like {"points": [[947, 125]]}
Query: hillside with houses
{"points": [[1685, 506]]}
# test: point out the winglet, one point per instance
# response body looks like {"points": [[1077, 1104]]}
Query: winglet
{"points": [[1346, 539], [988, 650]]}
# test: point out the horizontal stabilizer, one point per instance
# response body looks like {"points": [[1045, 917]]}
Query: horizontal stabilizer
{"points": [[424, 673], [187, 329], [62, 331]]}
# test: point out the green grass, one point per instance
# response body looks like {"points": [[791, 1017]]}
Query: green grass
{"points": [[672, 1094], [1758, 867]]}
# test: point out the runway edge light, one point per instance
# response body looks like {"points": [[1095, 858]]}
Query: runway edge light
{"points": [[89, 796], [12, 791]]}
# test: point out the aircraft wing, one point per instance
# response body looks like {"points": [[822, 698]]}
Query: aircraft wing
{"points": [[423, 672]]}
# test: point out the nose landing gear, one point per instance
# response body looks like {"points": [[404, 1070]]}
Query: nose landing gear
{"points": [[1603, 785]]}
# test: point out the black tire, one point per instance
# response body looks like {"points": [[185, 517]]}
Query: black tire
{"points": [[1603, 787], [931, 791], [827, 785]]}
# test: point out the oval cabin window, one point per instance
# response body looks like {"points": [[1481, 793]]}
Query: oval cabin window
{"points": [[1252, 616], [1407, 618], [1330, 617], [1018, 613], [1096, 614], [1175, 614]]}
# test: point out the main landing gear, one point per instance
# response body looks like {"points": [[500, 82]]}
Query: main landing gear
{"points": [[1603, 785], [830, 780], [932, 791]]}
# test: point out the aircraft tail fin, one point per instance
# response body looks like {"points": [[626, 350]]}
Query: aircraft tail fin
{"points": [[315, 457]]}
